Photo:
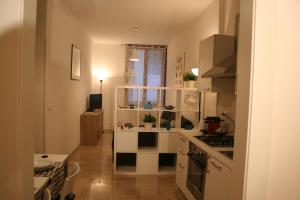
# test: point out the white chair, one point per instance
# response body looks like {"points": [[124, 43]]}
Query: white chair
{"points": [[69, 181], [47, 195]]}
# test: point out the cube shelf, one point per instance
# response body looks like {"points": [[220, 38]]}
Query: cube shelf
{"points": [[141, 151], [147, 140], [126, 162]]}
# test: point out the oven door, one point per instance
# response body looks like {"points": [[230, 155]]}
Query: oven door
{"points": [[196, 175]]}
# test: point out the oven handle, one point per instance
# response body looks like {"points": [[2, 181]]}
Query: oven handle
{"points": [[197, 160]]}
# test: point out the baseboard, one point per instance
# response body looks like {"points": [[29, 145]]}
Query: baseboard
{"points": [[71, 154]]}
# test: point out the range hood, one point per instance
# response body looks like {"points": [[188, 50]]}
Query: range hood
{"points": [[218, 56]]}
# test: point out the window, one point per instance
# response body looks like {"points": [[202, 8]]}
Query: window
{"points": [[150, 70]]}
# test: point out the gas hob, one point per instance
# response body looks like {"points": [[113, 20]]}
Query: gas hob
{"points": [[217, 140]]}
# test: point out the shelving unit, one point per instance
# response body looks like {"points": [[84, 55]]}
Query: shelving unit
{"points": [[153, 151]]}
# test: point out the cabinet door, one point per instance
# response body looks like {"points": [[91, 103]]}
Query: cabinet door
{"points": [[167, 142], [147, 163], [182, 162], [182, 143], [126, 141], [217, 183]]}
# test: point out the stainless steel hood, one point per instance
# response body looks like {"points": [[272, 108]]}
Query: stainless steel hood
{"points": [[218, 56]]}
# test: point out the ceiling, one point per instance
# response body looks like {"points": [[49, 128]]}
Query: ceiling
{"points": [[112, 21]]}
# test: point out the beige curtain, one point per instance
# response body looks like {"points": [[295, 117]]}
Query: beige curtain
{"points": [[150, 70]]}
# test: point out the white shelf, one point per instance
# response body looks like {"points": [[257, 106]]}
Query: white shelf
{"points": [[124, 168], [167, 169], [127, 109], [154, 88], [147, 158], [195, 110], [149, 110], [147, 130], [147, 149]]}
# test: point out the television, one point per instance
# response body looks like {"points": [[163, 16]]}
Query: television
{"points": [[95, 102]]}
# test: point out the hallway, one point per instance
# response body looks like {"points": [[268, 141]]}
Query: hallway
{"points": [[96, 179]]}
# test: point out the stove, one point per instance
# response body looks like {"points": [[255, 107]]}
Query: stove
{"points": [[228, 154], [217, 140]]}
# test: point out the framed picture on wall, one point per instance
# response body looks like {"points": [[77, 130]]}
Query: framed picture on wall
{"points": [[75, 63], [180, 63]]}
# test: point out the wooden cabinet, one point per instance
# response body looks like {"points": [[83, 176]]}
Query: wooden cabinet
{"points": [[91, 126], [217, 183]]}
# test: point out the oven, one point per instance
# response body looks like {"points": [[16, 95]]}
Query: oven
{"points": [[197, 164]]}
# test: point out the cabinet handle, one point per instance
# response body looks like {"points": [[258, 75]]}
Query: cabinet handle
{"points": [[182, 139], [182, 167], [216, 166]]}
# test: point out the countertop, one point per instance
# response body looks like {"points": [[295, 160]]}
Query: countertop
{"points": [[212, 151], [53, 157]]}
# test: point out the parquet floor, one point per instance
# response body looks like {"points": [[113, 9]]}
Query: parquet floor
{"points": [[96, 180]]}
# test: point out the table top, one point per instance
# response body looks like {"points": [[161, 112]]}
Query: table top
{"points": [[52, 157], [40, 182]]}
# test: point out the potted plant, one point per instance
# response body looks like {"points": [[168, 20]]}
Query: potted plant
{"points": [[190, 79], [149, 120]]}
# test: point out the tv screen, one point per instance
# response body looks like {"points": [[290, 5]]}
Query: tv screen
{"points": [[95, 102]]}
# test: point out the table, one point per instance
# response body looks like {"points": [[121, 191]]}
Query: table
{"points": [[53, 157], [40, 183]]}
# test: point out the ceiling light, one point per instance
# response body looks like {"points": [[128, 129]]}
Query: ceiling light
{"points": [[136, 28], [133, 56]]}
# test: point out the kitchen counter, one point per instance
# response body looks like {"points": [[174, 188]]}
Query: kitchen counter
{"points": [[212, 151]]}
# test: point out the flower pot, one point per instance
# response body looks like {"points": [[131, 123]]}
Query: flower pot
{"points": [[148, 126], [191, 84]]}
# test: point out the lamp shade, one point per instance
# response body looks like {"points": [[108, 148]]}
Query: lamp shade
{"points": [[133, 56], [195, 71], [100, 74]]}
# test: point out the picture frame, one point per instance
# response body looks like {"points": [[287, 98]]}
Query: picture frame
{"points": [[75, 63], [180, 65]]}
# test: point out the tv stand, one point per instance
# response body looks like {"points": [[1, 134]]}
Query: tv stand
{"points": [[91, 127]]}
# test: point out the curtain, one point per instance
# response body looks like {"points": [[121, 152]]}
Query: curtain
{"points": [[150, 70]]}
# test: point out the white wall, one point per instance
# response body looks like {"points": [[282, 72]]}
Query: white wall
{"points": [[17, 36], [188, 40], [65, 99], [111, 58], [273, 153], [218, 17], [39, 86], [285, 159]]}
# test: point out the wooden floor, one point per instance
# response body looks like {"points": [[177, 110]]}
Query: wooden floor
{"points": [[96, 179]]}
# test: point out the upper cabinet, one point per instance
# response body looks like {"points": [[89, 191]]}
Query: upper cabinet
{"points": [[217, 58]]}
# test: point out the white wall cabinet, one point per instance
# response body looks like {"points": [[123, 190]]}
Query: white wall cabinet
{"points": [[217, 183]]}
